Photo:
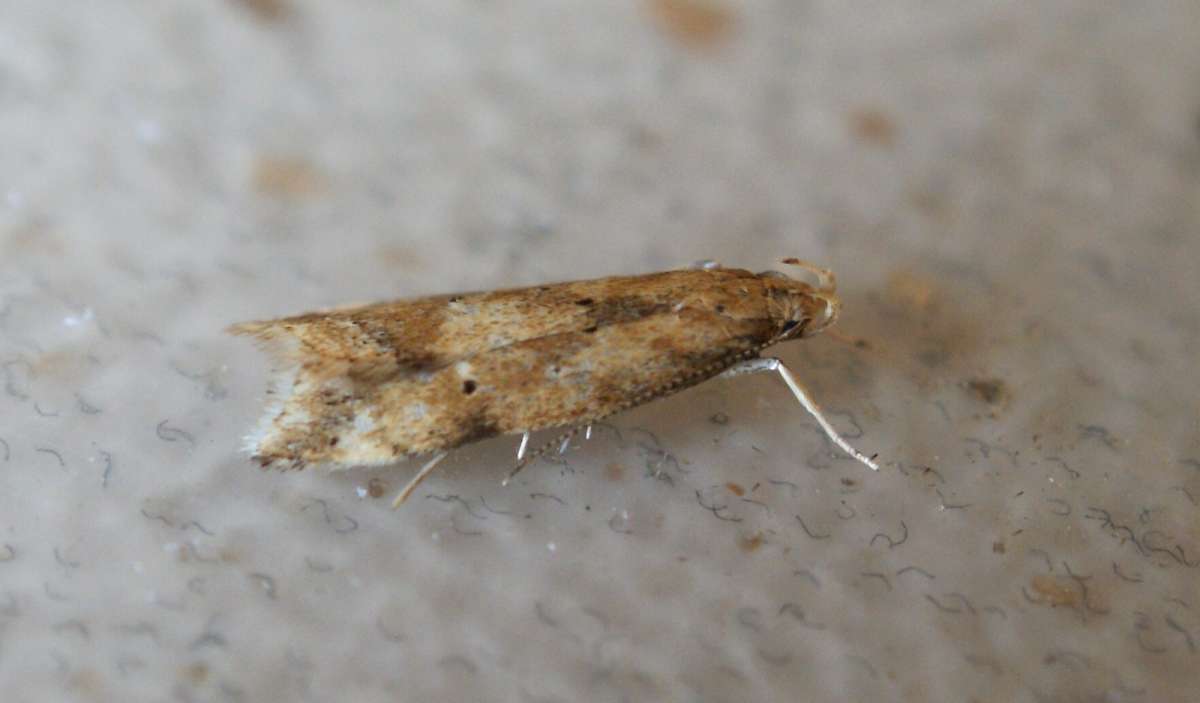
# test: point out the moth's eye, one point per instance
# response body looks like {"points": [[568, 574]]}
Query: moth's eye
{"points": [[789, 325]]}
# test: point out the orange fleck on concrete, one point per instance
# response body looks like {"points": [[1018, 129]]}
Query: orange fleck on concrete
{"points": [[1055, 591], [697, 23], [873, 126], [752, 542], [289, 177]]}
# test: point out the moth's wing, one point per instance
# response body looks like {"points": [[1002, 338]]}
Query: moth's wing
{"points": [[370, 385], [384, 340], [584, 377], [565, 379]]}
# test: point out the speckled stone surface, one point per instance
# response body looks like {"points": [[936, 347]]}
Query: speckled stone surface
{"points": [[1010, 193]]}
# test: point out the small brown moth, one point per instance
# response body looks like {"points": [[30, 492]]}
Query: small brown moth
{"points": [[375, 384]]}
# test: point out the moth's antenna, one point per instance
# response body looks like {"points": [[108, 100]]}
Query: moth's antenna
{"points": [[826, 280]]}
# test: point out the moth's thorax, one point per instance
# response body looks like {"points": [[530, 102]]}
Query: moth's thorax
{"points": [[797, 309]]}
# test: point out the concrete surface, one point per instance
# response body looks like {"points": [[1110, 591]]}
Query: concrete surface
{"points": [[1010, 193]]}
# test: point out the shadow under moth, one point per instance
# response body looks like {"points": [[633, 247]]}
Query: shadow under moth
{"points": [[379, 383]]}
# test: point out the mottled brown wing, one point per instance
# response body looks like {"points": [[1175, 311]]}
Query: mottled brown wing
{"points": [[566, 378], [378, 342]]}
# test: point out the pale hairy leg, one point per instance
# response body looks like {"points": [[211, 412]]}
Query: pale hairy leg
{"points": [[805, 398]]}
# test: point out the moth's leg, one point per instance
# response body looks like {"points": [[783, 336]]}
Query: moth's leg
{"points": [[416, 480], [524, 445], [802, 394], [563, 441], [587, 433], [757, 365]]}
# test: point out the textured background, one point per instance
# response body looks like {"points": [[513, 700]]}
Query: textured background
{"points": [[1009, 191]]}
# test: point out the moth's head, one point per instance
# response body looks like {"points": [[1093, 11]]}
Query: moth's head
{"points": [[801, 309]]}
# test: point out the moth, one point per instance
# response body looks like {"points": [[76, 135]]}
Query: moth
{"points": [[376, 384]]}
